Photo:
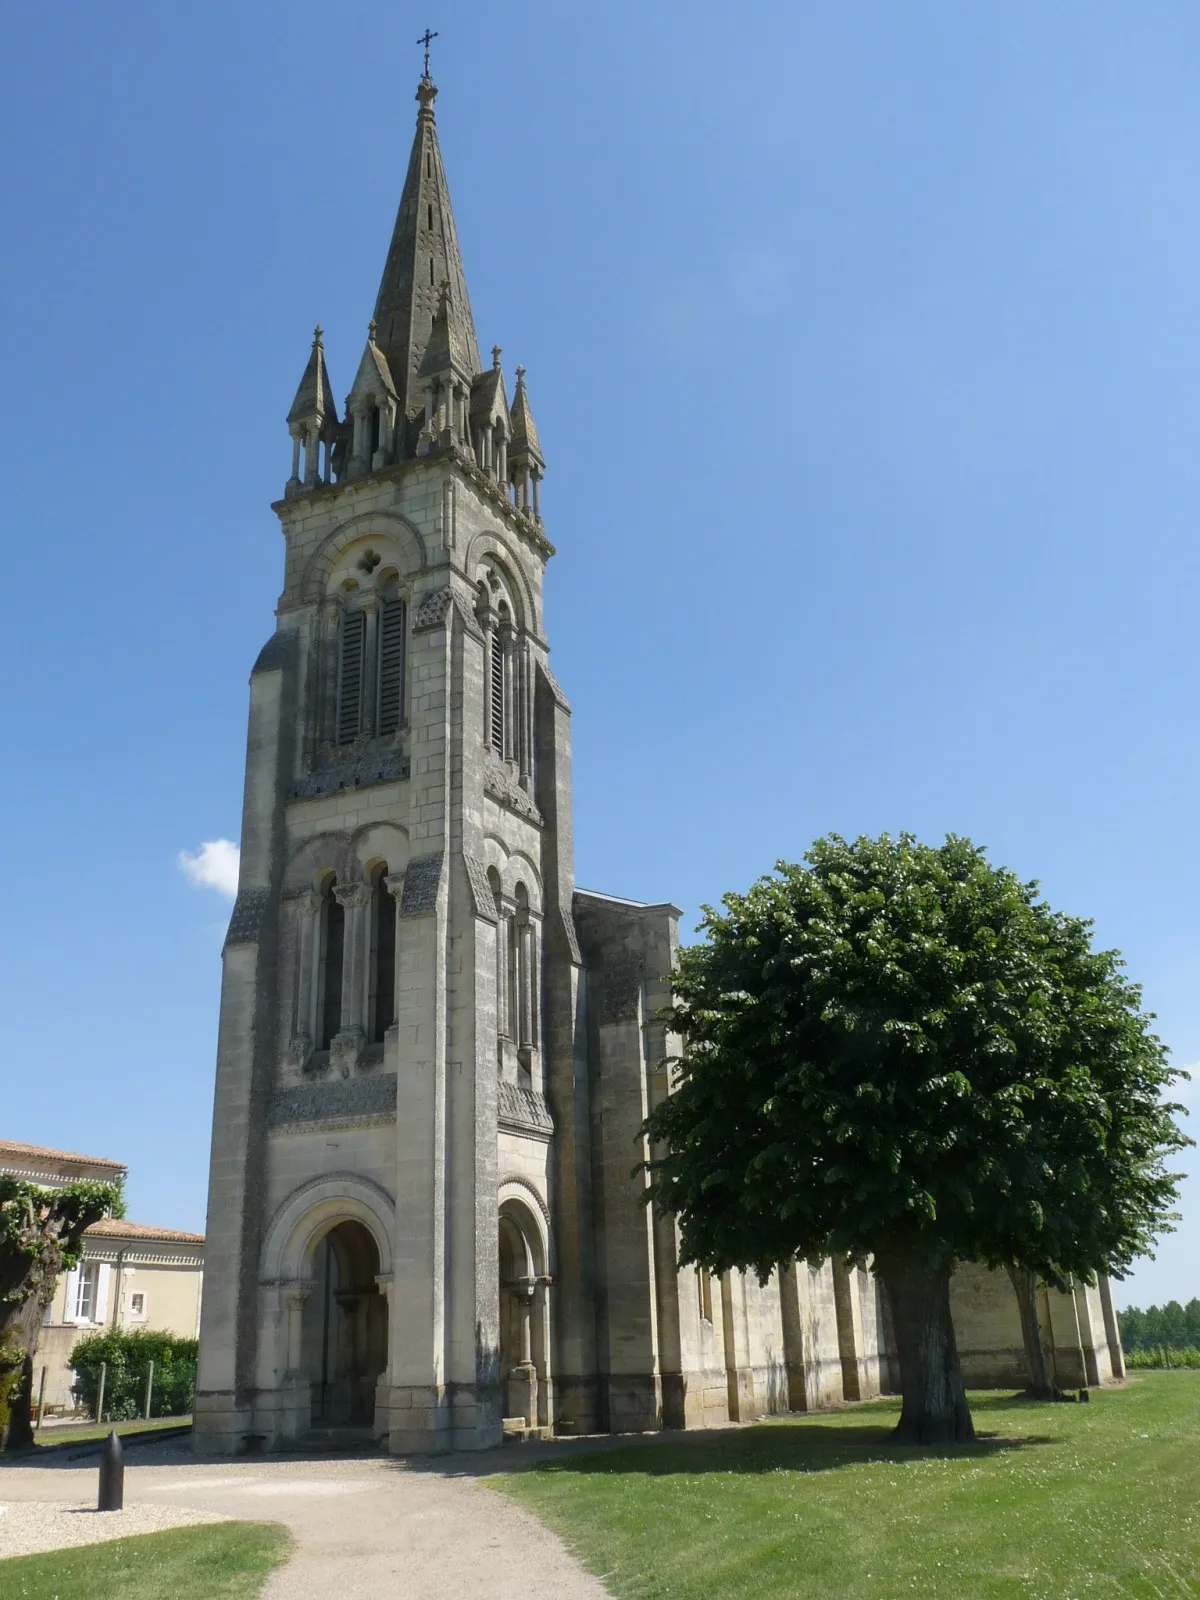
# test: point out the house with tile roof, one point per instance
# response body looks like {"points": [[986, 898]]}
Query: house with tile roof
{"points": [[131, 1275]]}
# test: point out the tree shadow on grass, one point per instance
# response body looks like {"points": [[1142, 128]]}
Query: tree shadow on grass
{"points": [[792, 1443], [774, 1447]]}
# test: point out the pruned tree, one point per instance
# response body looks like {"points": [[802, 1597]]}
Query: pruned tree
{"points": [[901, 1051], [41, 1235]]}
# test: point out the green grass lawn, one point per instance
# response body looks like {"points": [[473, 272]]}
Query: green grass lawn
{"points": [[71, 1433], [1054, 1503], [226, 1559]]}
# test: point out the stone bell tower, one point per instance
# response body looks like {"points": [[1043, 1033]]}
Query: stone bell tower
{"points": [[401, 971]]}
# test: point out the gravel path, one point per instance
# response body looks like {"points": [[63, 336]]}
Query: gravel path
{"points": [[33, 1525], [365, 1529]]}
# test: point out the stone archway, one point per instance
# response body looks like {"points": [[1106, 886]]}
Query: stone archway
{"points": [[524, 1319], [344, 1327]]}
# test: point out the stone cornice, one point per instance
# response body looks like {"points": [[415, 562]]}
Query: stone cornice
{"points": [[524, 526]]}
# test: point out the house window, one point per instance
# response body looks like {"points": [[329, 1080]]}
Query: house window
{"points": [[137, 1305], [704, 1288], [85, 1291]]}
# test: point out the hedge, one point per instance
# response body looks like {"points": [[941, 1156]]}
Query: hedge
{"points": [[128, 1357]]}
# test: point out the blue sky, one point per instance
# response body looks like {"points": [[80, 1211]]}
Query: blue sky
{"points": [[864, 343]]}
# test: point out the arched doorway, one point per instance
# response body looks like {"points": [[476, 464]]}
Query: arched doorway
{"points": [[345, 1328], [524, 1319]]}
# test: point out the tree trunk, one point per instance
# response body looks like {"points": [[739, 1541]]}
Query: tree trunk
{"points": [[1037, 1357], [19, 1329], [934, 1409]]}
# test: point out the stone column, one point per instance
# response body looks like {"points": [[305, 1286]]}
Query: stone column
{"points": [[523, 1380], [541, 1354], [385, 1282], [312, 454], [537, 498], [295, 1410], [348, 1043], [309, 912], [359, 446], [293, 482]]}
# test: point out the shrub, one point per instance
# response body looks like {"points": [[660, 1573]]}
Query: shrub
{"points": [[1164, 1356], [128, 1357]]}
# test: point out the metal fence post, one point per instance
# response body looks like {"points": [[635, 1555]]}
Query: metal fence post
{"points": [[41, 1402], [149, 1389], [100, 1392]]}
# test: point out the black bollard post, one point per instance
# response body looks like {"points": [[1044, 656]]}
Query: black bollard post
{"points": [[112, 1475]]}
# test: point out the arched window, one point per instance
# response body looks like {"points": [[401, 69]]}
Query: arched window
{"points": [[525, 961], [372, 648], [499, 671], [333, 941], [501, 1020], [383, 952]]}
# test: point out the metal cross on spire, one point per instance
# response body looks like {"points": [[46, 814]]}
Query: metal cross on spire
{"points": [[426, 39]]}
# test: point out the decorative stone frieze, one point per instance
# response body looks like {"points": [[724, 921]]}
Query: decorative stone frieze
{"points": [[422, 881], [499, 782], [521, 1110], [339, 1102], [481, 890], [385, 765]]}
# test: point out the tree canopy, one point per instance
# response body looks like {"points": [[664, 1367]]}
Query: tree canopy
{"points": [[41, 1235], [902, 1051]]}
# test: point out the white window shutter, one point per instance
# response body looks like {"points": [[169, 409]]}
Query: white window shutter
{"points": [[103, 1278], [71, 1295]]}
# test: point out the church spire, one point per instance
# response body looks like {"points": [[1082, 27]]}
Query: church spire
{"points": [[423, 253]]}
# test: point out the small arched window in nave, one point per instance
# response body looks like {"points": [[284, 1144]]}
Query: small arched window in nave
{"points": [[333, 942], [383, 947]]}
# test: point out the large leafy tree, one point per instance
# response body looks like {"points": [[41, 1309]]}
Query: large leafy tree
{"points": [[901, 1051], [41, 1234]]}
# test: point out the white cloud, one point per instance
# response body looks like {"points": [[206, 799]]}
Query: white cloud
{"points": [[213, 866]]}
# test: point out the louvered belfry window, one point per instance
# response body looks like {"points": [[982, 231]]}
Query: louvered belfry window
{"points": [[496, 667], [391, 665], [350, 676]]}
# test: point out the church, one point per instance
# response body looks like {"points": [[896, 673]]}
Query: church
{"points": [[435, 1052]]}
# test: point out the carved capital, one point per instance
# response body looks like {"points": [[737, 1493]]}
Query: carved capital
{"points": [[347, 1047], [394, 883], [300, 1050], [352, 894]]}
